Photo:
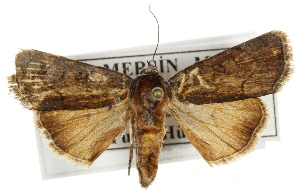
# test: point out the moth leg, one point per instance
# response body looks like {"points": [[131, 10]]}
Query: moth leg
{"points": [[130, 157], [132, 140]]}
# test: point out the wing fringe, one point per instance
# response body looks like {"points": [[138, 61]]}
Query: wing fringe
{"points": [[288, 59], [15, 92], [56, 150]]}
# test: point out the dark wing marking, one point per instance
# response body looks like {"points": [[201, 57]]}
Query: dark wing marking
{"points": [[255, 68], [49, 82]]}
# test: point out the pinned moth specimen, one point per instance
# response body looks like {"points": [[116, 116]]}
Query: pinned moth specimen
{"points": [[83, 108]]}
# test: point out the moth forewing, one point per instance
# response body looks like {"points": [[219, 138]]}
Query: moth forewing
{"points": [[47, 82], [252, 69]]}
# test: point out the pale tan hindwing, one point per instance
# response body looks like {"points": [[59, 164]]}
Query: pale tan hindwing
{"points": [[222, 132], [82, 135]]}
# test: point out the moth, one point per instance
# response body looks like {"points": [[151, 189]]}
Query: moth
{"points": [[83, 108]]}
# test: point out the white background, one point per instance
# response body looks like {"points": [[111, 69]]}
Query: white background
{"points": [[72, 27]]}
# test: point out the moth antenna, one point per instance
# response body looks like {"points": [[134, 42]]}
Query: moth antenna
{"points": [[157, 39]]}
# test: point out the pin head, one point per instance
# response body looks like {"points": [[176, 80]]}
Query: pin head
{"points": [[156, 94]]}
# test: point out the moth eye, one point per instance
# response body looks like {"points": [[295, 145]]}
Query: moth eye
{"points": [[157, 93]]}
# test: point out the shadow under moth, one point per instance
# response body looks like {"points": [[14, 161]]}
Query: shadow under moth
{"points": [[83, 108]]}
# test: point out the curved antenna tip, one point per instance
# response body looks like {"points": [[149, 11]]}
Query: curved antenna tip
{"points": [[157, 34]]}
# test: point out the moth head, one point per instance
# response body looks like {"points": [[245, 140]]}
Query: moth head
{"points": [[149, 70], [156, 94]]}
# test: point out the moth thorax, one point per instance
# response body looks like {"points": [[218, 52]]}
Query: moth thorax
{"points": [[157, 93]]}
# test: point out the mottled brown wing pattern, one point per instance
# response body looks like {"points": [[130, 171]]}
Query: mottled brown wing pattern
{"points": [[255, 68], [45, 81], [82, 135], [222, 132]]}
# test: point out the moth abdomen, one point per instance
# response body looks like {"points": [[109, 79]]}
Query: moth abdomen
{"points": [[148, 146]]}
